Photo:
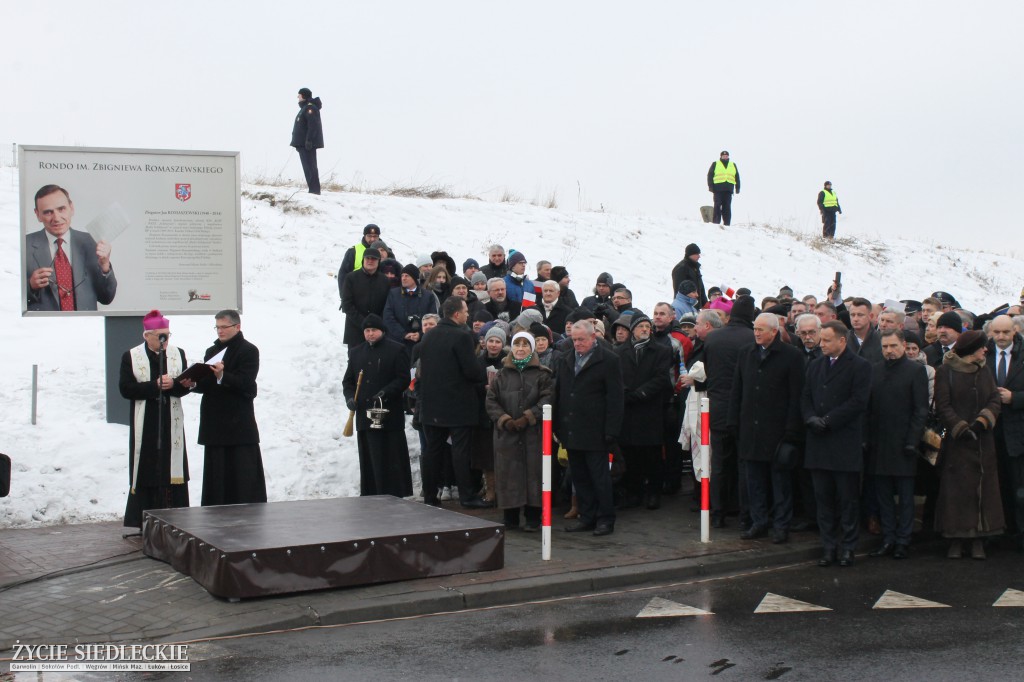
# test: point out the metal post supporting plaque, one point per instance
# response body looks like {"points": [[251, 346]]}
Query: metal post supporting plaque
{"points": [[120, 333]]}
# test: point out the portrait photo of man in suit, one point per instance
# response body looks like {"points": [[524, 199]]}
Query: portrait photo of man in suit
{"points": [[66, 269]]}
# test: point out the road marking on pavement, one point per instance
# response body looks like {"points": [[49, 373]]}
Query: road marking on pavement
{"points": [[898, 600], [1011, 597], [775, 603], [664, 608]]}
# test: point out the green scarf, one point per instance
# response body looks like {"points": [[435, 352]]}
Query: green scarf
{"points": [[521, 364]]}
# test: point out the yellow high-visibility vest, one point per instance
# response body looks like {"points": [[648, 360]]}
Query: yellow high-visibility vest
{"points": [[725, 173], [360, 248], [831, 201]]}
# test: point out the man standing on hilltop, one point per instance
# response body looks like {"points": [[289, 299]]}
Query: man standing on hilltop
{"points": [[723, 180], [828, 204], [308, 136]]}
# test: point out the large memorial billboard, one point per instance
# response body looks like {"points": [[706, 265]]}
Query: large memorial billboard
{"points": [[124, 231]]}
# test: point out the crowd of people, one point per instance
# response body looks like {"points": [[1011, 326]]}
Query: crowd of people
{"points": [[825, 415]]}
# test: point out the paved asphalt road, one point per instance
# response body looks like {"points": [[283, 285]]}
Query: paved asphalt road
{"points": [[750, 634]]}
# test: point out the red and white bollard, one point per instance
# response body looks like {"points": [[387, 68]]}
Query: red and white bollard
{"points": [[545, 518], [705, 486]]}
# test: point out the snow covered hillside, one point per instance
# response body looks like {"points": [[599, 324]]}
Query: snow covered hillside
{"points": [[73, 466]]}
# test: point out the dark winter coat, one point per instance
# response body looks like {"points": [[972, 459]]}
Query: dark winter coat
{"points": [[307, 132], [450, 377], [840, 395], [897, 412], [226, 414], [870, 350], [348, 265], [517, 455], [721, 353], [492, 270], [385, 367], [933, 352], [646, 381], [688, 269], [402, 305], [555, 321], [764, 408], [969, 502], [507, 310], [1010, 427], [591, 302], [588, 406], [363, 294]]}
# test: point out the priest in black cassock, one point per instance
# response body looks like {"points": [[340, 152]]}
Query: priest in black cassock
{"points": [[158, 476], [384, 467]]}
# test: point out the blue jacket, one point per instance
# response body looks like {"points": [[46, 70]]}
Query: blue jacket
{"points": [[683, 304], [515, 289]]}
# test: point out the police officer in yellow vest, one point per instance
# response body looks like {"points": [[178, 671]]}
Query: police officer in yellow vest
{"points": [[353, 259], [723, 180], [828, 204]]}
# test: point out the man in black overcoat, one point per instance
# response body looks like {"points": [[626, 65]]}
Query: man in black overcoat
{"points": [[646, 371], [1008, 371], [232, 462], [384, 467], [449, 396], [689, 269], [764, 414], [833, 405], [365, 293], [721, 353], [588, 408], [896, 419]]}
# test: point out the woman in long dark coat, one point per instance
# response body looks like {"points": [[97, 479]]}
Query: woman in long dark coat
{"points": [[967, 402], [515, 401]]}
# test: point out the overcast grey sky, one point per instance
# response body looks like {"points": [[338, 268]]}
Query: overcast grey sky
{"points": [[912, 109]]}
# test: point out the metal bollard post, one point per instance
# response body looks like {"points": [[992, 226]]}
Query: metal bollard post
{"points": [[705, 485], [545, 538], [35, 390]]}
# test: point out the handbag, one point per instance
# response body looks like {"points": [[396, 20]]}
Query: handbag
{"points": [[931, 439]]}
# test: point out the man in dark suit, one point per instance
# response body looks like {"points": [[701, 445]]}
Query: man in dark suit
{"points": [[588, 410], [448, 388], [1006, 362], [835, 399], [764, 416], [65, 269], [721, 353], [232, 462], [896, 418]]}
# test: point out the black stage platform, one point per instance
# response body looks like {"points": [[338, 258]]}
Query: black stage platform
{"points": [[252, 550]]}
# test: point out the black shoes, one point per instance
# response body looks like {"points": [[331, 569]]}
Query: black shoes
{"points": [[717, 521], [579, 527], [803, 527], [604, 529], [753, 533], [779, 536], [846, 558], [476, 503], [900, 552], [884, 550], [827, 559]]}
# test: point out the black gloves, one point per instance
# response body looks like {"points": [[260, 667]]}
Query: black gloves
{"points": [[351, 404], [817, 424], [978, 426], [379, 395], [968, 435]]}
